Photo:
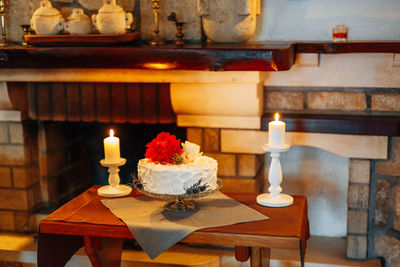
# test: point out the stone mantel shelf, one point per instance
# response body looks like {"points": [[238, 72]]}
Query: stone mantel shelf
{"points": [[273, 56], [338, 124]]}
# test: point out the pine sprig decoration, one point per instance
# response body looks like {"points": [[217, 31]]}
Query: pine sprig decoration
{"points": [[178, 159]]}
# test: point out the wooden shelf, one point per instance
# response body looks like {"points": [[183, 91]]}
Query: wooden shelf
{"points": [[269, 56], [329, 47], [338, 124], [276, 56]]}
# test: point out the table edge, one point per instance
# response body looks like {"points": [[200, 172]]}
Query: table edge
{"points": [[198, 237]]}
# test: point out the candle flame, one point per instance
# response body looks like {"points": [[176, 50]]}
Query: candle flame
{"points": [[277, 116], [111, 132]]}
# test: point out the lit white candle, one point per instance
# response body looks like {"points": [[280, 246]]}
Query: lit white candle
{"points": [[111, 148], [276, 132]]}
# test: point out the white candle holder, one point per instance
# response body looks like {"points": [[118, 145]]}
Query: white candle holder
{"points": [[274, 198], [114, 189]]}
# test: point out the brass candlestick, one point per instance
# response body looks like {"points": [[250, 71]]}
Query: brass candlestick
{"points": [[25, 31], [3, 13], [156, 7], [179, 29]]}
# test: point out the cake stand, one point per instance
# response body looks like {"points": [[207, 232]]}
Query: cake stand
{"points": [[183, 202]]}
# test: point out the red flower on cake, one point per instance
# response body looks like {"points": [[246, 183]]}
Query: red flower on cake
{"points": [[163, 148]]}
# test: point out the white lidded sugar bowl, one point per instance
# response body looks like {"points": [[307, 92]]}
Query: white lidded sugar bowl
{"points": [[111, 18], [46, 20], [78, 22]]}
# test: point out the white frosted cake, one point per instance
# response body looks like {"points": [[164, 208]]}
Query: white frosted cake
{"points": [[176, 179], [187, 172]]}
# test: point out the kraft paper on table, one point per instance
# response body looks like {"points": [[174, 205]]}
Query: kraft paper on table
{"points": [[156, 230]]}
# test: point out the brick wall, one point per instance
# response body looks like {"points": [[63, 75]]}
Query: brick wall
{"points": [[64, 162], [358, 204], [239, 172], [338, 100], [20, 191], [385, 221], [374, 185], [39, 164]]}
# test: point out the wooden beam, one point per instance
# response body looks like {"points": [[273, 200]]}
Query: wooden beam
{"points": [[348, 47], [340, 124], [274, 56]]}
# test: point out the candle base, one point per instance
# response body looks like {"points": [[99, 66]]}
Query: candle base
{"points": [[113, 163], [274, 198], [270, 148], [268, 200], [116, 191]]}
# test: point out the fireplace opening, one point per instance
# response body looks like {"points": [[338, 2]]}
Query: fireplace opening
{"points": [[70, 154], [133, 140]]}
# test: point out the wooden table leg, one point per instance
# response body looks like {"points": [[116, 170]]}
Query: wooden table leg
{"points": [[302, 255], [242, 253], [104, 251], [260, 257], [56, 250]]}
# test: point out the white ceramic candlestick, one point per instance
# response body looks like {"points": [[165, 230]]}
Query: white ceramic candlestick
{"points": [[114, 189], [274, 198]]}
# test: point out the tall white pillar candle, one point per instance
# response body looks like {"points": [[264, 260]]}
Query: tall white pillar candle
{"points": [[276, 132], [111, 148]]}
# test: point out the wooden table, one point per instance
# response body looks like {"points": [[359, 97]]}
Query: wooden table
{"points": [[85, 221]]}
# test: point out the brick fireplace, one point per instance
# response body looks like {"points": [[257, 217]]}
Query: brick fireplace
{"points": [[45, 106], [41, 110]]}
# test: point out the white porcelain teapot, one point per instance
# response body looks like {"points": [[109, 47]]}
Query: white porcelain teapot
{"points": [[46, 20], [78, 22], [111, 18]]}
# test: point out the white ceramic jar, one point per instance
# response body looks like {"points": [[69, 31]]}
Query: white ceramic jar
{"points": [[78, 22], [229, 21], [46, 20], [111, 18]]}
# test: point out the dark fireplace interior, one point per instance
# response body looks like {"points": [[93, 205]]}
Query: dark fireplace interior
{"points": [[133, 139], [82, 146]]}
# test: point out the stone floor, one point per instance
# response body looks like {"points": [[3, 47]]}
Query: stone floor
{"points": [[18, 250]]}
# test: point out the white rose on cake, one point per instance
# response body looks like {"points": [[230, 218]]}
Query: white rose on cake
{"points": [[190, 151], [191, 148]]}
